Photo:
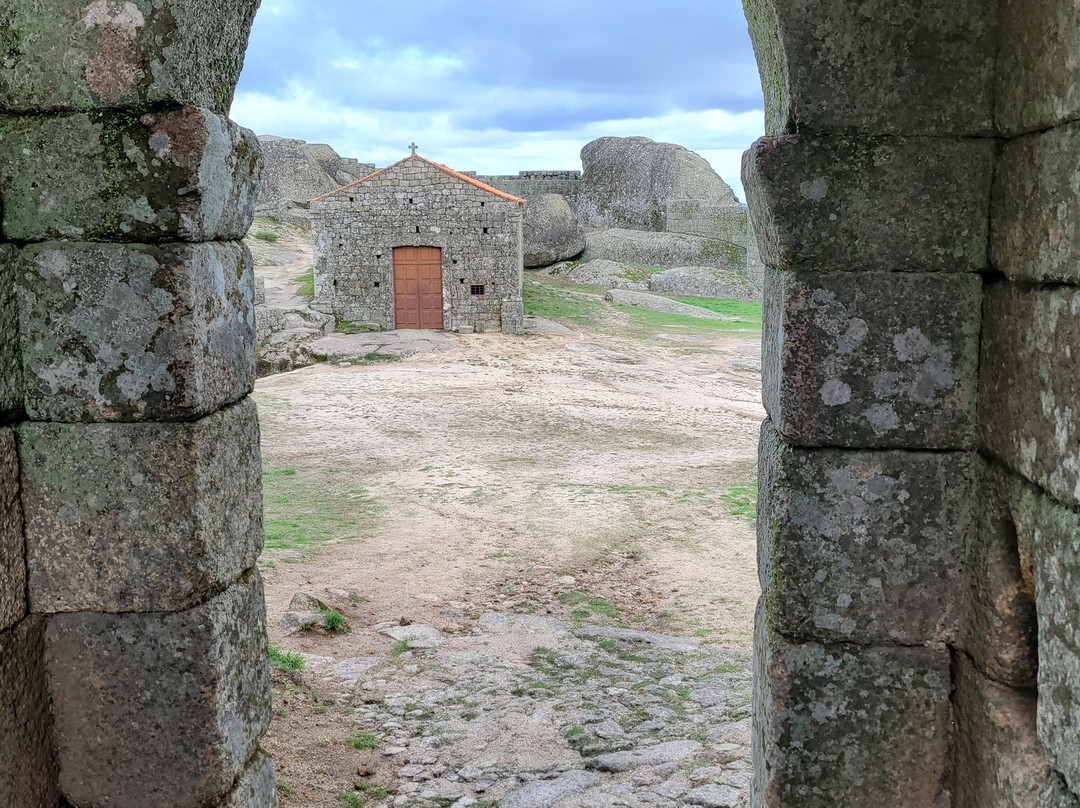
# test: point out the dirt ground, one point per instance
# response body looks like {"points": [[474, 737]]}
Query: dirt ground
{"points": [[575, 474], [508, 462]]}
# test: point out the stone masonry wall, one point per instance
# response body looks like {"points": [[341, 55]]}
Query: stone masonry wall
{"points": [[133, 668], [417, 203], [535, 183], [916, 201]]}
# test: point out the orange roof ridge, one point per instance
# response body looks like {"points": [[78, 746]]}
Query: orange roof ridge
{"points": [[447, 169], [473, 181]]}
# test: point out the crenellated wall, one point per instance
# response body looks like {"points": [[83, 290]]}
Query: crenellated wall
{"points": [[916, 201], [133, 668]]}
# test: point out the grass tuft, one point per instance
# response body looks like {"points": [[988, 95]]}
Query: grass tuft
{"points": [[364, 741], [285, 660], [268, 236]]}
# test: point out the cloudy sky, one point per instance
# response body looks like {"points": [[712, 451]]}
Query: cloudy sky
{"points": [[500, 87]]}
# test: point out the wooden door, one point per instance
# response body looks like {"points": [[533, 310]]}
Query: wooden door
{"points": [[418, 287]]}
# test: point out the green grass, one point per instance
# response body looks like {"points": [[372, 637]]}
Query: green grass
{"points": [[303, 512], [561, 302], [352, 798], [267, 235], [335, 621], [749, 313], [349, 327], [285, 660], [646, 319], [364, 741], [284, 790], [585, 606], [306, 290], [742, 500]]}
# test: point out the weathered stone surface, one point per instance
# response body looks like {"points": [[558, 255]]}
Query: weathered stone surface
{"points": [[605, 274], [160, 710], [140, 517], [1036, 224], [855, 203], [862, 547], [704, 282], [183, 175], [1000, 762], [63, 55], [10, 365], [547, 793], [999, 628], [12, 554], [551, 231], [663, 249], [903, 68], [874, 360], [645, 300], [1030, 384], [839, 725], [256, 787], [1037, 85], [627, 182], [1055, 531], [656, 755], [27, 764], [292, 174], [121, 333]]}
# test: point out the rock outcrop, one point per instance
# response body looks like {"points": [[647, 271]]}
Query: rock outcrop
{"points": [[605, 274], [629, 182], [704, 282], [295, 171], [552, 231], [664, 250]]}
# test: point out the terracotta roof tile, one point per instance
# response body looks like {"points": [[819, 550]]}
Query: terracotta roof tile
{"points": [[447, 169]]}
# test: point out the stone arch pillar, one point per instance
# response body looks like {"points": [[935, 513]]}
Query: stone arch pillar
{"points": [[133, 667], [916, 202]]}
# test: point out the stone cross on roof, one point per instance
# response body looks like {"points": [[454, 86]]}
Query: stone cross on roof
{"points": [[414, 147]]}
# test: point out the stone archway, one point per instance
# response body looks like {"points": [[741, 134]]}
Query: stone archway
{"points": [[919, 522], [921, 467]]}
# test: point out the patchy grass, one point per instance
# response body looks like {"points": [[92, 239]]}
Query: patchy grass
{"points": [[349, 327], [285, 660], [565, 303], [353, 799], [742, 500], [306, 289], [750, 313], [364, 740], [584, 606], [302, 513], [268, 236], [647, 320]]}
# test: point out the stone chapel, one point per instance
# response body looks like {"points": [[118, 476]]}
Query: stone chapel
{"points": [[419, 245]]}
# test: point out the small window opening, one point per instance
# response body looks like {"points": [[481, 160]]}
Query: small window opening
{"points": [[379, 255], [477, 290], [463, 280], [410, 200], [454, 262], [352, 198], [376, 284], [482, 204], [485, 231], [418, 228]]}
